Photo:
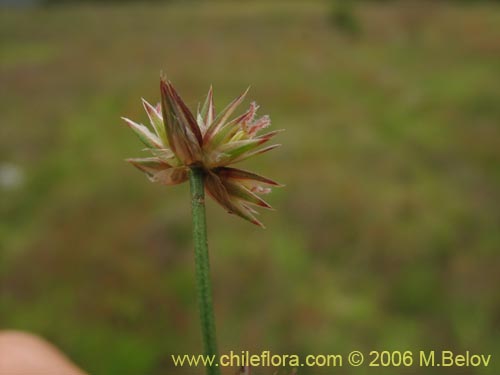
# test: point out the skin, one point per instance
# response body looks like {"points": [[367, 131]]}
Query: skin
{"points": [[22, 353]]}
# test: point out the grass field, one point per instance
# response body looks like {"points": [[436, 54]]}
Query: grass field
{"points": [[385, 237]]}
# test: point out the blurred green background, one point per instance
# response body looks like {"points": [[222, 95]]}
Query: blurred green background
{"points": [[385, 237]]}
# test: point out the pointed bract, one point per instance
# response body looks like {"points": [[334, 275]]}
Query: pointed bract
{"points": [[207, 113], [254, 153], [156, 121], [179, 135], [148, 138], [240, 174], [184, 114]]}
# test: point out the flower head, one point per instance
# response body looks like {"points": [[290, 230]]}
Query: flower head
{"points": [[212, 142]]}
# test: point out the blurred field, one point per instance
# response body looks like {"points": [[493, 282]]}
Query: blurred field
{"points": [[386, 236]]}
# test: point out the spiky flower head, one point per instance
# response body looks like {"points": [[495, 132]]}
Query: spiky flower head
{"points": [[211, 142]]}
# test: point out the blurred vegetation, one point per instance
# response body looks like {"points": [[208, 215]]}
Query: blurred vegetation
{"points": [[386, 236], [343, 16]]}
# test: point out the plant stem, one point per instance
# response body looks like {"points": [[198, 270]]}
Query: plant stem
{"points": [[203, 284]]}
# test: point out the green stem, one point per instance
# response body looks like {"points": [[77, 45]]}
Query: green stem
{"points": [[202, 267]]}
